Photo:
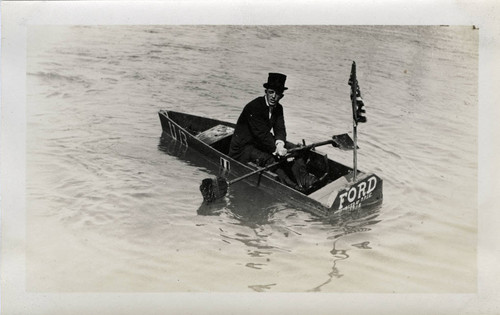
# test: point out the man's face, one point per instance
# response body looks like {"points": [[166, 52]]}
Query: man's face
{"points": [[273, 97]]}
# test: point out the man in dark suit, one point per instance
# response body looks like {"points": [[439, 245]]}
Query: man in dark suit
{"points": [[253, 140]]}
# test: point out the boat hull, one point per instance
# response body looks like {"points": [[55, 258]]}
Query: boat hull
{"points": [[340, 195]]}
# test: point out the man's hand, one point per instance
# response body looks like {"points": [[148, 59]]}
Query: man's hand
{"points": [[280, 148]]}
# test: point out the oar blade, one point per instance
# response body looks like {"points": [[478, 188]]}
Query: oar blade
{"points": [[343, 142], [213, 188]]}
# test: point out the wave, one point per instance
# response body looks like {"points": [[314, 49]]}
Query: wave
{"points": [[51, 76]]}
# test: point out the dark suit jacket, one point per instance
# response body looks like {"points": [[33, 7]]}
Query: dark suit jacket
{"points": [[254, 128]]}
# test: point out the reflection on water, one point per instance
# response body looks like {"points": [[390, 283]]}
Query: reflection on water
{"points": [[262, 287], [247, 203], [338, 255], [355, 222], [172, 147], [254, 208], [362, 221]]}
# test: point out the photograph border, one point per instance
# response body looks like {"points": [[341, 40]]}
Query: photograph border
{"points": [[18, 15]]}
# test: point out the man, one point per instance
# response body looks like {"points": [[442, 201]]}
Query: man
{"points": [[253, 140]]}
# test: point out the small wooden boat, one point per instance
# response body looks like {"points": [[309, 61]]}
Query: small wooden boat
{"points": [[338, 192]]}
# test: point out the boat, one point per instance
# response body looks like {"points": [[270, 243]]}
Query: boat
{"points": [[343, 189]]}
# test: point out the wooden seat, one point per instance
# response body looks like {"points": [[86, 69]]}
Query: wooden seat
{"points": [[214, 134]]}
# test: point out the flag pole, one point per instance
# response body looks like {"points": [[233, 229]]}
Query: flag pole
{"points": [[354, 88], [357, 113]]}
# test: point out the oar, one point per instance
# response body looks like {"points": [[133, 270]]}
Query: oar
{"points": [[215, 188], [343, 142]]}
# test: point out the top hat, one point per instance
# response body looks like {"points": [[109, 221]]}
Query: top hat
{"points": [[276, 81]]}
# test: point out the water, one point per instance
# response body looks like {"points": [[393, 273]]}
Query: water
{"points": [[110, 208]]}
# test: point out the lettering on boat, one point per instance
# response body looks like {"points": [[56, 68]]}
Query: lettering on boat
{"points": [[355, 195], [225, 164], [177, 134]]}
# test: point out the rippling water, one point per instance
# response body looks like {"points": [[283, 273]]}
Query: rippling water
{"points": [[112, 208]]}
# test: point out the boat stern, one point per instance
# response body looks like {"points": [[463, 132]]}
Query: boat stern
{"points": [[365, 191], [345, 194]]}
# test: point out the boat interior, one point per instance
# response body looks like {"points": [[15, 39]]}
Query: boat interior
{"points": [[218, 134]]}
